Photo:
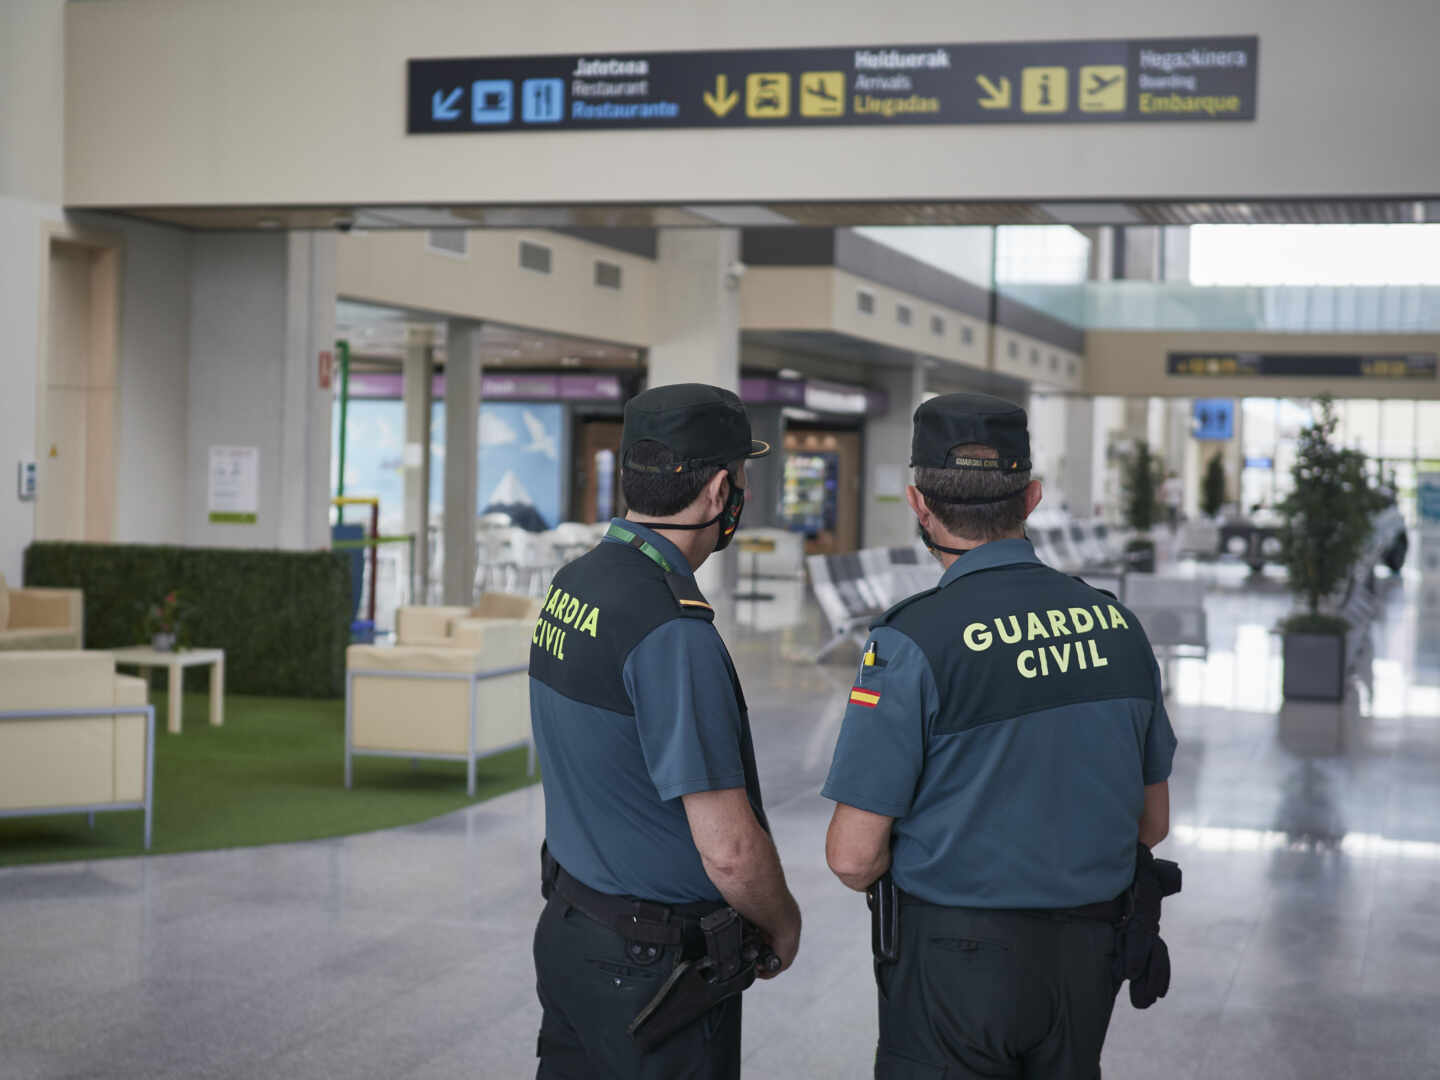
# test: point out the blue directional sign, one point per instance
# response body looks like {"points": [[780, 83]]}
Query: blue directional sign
{"points": [[492, 101], [1214, 418], [543, 101], [445, 106]]}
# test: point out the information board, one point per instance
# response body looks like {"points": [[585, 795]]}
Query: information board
{"points": [[234, 485], [1304, 365], [1141, 80]]}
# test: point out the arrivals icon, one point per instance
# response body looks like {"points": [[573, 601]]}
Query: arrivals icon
{"points": [[822, 93]]}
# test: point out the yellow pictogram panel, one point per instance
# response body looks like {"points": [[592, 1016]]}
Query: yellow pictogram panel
{"points": [[1044, 89], [1102, 88], [822, 93], [767, 95]]}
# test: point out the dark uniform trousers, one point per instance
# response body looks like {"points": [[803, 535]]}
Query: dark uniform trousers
{"points": [[591, 985], [980, 993]]}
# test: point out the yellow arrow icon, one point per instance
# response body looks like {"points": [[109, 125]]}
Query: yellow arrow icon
{"points": [[998, 96], [723, 99]]}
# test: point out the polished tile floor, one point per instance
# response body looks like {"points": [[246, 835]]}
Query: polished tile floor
{"points": [[1306, 943]]}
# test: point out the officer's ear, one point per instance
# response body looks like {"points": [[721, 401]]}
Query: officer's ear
{"points": [[1033, 495], [714, 492], [917, 504]]}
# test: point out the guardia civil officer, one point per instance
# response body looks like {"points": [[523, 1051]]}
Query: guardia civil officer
{"points": [[1004, 747], [652, 805]]}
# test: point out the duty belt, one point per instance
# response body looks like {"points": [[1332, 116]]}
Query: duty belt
{"points": [[634, 920], [1108, 911]]}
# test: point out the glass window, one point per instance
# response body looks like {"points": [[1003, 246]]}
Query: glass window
{"points": [[1427, 429], [1397, 429], [1360, 425]]}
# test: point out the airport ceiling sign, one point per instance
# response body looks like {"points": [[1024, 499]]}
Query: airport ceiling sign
{"points": [[1068, 82], [1304, 365]]}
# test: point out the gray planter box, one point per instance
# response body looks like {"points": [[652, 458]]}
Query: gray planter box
{"points": [[1314, 667]]}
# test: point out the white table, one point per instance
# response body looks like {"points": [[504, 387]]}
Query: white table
{"points": [[144, 657]]}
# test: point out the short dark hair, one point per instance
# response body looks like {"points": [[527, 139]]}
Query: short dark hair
{"points": [[987, 521], [660, 494]]}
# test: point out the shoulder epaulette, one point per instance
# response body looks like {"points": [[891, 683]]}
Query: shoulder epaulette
{"points": [[885, 618], [689, 597], [1102, 592]]}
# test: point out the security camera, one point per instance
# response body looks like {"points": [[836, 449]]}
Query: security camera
{"points": [[733, 273], [343, 223]]}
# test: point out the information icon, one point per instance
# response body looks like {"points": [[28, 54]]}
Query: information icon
{"points": [[1044, 89], [542, 101]]}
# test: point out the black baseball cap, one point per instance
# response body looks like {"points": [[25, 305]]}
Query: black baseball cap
{"points": [[952, 420], [701, 425]]}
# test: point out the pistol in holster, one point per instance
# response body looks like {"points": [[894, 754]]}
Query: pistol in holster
{"points": [[1141, 954], [883, 899], [735, 950]]}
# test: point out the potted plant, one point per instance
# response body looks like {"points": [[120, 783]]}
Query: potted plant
{"points": [[1327, 521], [164, 623], [1212, 490], [1142, 478]]}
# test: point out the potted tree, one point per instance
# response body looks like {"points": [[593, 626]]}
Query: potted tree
{"points": [[1327, 523], [1212, 491], [1141, 480]]}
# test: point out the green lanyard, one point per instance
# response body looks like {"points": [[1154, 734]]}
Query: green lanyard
{"points": [[649, 550]]}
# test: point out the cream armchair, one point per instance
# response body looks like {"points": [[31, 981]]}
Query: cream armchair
{"points": [[460, 700], [418, 625], [75, 737], [41, 618]]}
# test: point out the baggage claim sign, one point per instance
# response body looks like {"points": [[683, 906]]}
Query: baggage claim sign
{"points": [[1167, 79]]}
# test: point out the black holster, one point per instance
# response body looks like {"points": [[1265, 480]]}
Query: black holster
{"points": [[883, 899], [734, 949], [1141, 955]]}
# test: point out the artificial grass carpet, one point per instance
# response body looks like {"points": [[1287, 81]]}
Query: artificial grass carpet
{"points": [[274, 773]]}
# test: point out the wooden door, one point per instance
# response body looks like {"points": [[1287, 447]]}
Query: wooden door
{"points": [[597, 472]]}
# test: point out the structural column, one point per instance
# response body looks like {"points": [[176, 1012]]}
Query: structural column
{"points": [[419, 367], [886, 518], [262, 309], [462, 462], [698, 308], [697, 335], [1077, 472], [766, 476]]}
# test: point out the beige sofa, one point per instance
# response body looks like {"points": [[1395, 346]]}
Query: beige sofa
{"points": [[74, 736], [436, 625], [461, 699], [41, 618]]}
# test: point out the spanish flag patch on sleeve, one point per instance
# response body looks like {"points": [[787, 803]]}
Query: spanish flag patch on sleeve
{"points": [[860, 696]]}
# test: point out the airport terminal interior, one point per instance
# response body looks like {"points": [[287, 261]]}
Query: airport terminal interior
{"points": [[317, 324]]}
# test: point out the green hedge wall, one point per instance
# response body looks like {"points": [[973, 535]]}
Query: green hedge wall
{"points": [[282, 617]]}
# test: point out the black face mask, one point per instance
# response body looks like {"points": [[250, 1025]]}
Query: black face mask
{"points": [[935, 548], [728, 518]]}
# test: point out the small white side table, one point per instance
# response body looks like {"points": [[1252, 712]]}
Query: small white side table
{"points": [[144, 657]]}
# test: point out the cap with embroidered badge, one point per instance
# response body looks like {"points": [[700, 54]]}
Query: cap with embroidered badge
{"points": [[701, 425], [951, 420]]}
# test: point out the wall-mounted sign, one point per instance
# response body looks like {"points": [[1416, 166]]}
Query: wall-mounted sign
{"points": [[1043, 82], [1306, 365], [1427, 495], [234, 485], [1214, 418]]}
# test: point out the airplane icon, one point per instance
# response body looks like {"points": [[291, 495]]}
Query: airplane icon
{"points": [[820, 91], [1099, 84]]}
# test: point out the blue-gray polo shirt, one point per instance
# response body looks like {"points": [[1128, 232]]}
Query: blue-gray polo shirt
{"points": [[1010, 722], [635, 706]]}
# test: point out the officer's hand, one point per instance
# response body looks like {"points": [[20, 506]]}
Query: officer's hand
{"points": [[785, 942]]}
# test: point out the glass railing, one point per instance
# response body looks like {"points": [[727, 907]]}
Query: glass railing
{"points": [[1320, 309]]}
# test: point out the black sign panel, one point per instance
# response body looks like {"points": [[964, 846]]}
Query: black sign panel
{"points": [[1307, 365], [1161, 79]]}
